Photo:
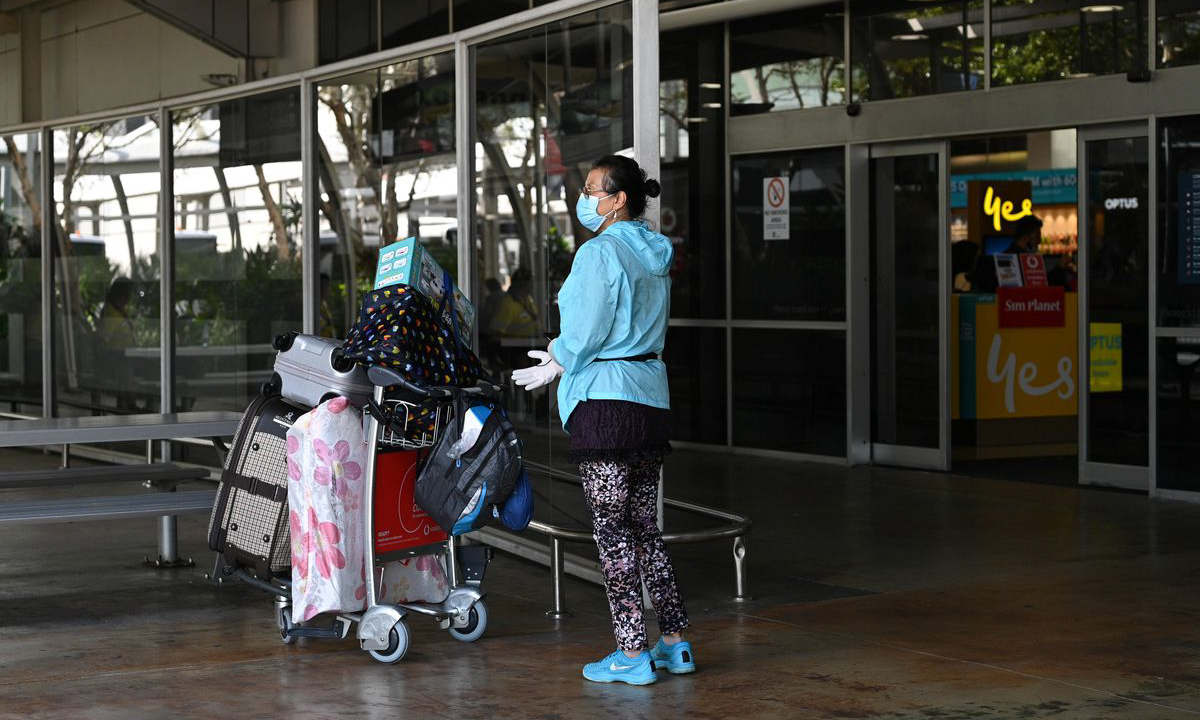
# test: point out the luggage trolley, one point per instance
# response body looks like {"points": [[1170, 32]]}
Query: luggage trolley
{"points": [[412, 420]]}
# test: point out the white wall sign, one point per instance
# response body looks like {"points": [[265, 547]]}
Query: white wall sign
{"points": [[776, 215]]}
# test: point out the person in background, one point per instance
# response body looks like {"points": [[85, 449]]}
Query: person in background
{"points": [[515, 314], [114, 372], [116, 320], [1028, 232], [963, 256], [1027, 237], [613, 401], [329, 328], [491, 302], [489, 344]]}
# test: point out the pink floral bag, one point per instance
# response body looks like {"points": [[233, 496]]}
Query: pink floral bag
{"points": [[326, 478]]}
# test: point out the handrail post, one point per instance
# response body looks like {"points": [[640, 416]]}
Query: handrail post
{"points": [[739, 569], [559, 612]]}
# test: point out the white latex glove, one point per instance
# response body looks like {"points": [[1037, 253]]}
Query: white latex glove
{"points": [[545, 372]]}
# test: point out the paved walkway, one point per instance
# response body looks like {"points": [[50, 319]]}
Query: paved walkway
{"points": [[878, 594]]}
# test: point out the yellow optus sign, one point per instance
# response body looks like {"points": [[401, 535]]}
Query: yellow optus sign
{"points": [[1105, 373], [1014, 372], [998, 210]]}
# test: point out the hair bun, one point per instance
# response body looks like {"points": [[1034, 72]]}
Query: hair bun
{"points": [[652, 188]]}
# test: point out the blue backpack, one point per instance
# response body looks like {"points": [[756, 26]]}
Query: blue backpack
{"points": [[517, 511]]}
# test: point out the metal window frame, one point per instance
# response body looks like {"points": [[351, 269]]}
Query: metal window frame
{"points": [[1152, 306], [1076, 103], [49, 235], [306, 81]]}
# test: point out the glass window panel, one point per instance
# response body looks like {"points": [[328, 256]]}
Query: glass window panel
{"points": [[904, 300], [1117, 226], [238, 236], [801, 277], [1178, 32], [106, 322], [476, 12], [1039, 40], [903, 49], [1178, 265], [693, 168], [1178, 428], [696, 370], [21, 273], [407, 21], [550, 101], [786, 61], [387, 171], [346, 29], [800, 409]]}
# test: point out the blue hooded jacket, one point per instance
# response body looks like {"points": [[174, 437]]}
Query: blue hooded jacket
{"points": [[614, 304]]}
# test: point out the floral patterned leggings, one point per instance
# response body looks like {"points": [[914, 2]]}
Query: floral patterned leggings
{"points": [[623, 499]]}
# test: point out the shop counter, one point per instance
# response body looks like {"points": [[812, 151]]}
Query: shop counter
{"points": [[1015, 377]]}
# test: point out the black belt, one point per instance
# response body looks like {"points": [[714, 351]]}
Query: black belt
{"points": [[633, 358]]}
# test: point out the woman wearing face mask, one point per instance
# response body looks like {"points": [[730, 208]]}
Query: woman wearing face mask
{"points": [[613, 402]]}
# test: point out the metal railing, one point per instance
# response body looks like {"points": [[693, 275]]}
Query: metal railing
{"points": [[736, 529]]}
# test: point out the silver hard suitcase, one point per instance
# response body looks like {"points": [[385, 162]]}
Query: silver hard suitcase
{"points": [[310, 370]]}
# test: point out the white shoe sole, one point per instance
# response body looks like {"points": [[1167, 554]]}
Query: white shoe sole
{"points": [[649, 681]]}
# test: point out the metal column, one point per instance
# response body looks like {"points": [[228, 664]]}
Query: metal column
{"points": [[49, 233], [310, 254], [464, 147], [168, 530]]}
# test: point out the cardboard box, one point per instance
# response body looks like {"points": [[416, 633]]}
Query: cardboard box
{"points": [[408, 263], [399, 523]]}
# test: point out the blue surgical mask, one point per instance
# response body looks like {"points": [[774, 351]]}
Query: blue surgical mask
{"points": [[585, 210]]}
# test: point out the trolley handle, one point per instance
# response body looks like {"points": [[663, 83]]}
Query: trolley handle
{"points": [[386, 377]]}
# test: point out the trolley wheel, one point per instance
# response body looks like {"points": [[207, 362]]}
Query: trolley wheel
{"points": [[397, 645], [283, 618], [476, 624]]}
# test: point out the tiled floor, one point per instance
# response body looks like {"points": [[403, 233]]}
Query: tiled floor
{"points": [[878, 593]]}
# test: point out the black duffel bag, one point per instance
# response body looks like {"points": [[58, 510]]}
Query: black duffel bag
{"points": [[489, 468]]}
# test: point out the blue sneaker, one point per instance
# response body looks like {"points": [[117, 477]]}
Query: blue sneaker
{"points": [[677, 658], [619, 668]]}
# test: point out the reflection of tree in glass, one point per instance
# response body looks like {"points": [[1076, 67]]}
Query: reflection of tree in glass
{"points": [[355, 115], [810, 82], [1071, 43], [21, 168]]}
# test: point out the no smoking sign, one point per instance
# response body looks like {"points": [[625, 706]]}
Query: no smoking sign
{"points": [[776, 214]]}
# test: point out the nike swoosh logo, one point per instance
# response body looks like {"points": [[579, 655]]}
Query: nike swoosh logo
{"points": [[617, 668]]}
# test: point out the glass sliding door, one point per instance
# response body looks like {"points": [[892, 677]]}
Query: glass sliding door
{"points": [[1114, 206], [909, 358]]}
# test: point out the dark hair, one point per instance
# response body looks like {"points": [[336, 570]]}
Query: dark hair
{"points": [[519, 276], [1026, 225], [621, 174]]}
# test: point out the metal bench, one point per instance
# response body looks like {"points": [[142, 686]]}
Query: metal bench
{"points": [[110, 507], [149, 427], [162, 474]]}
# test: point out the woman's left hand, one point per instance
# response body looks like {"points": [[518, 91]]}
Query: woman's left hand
{"points": [[545, 372]]}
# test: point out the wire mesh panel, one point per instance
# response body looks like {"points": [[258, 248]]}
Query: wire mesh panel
{"points": [[252, 524]]}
